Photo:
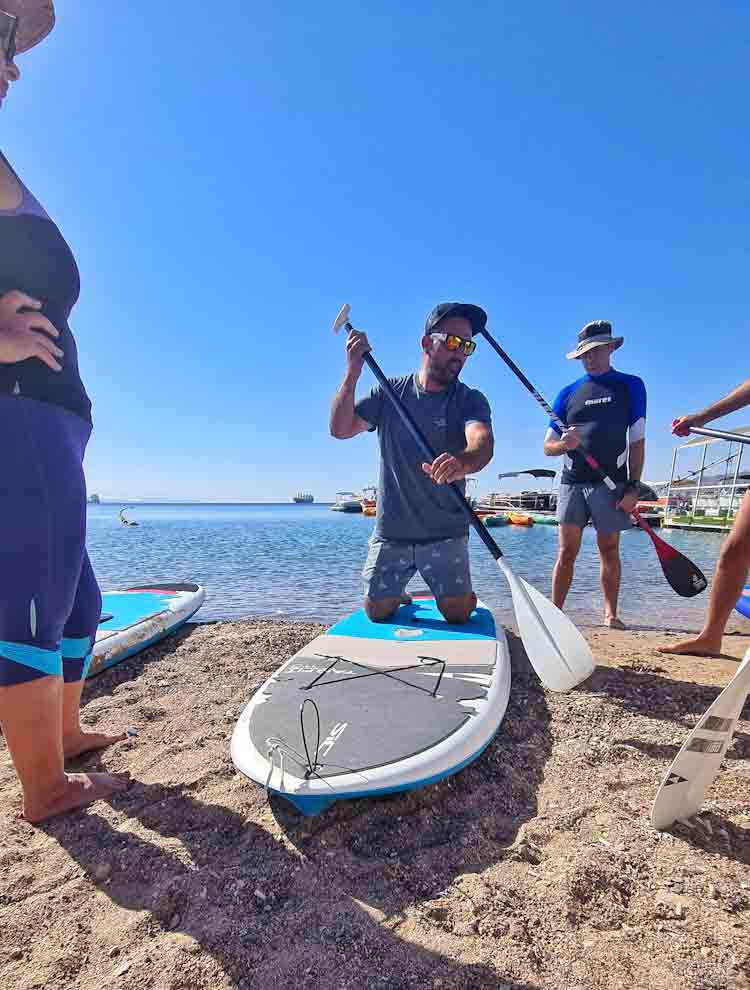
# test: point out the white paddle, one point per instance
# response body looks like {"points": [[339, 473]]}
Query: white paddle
{"points": [[687, 781], [557, 650]]}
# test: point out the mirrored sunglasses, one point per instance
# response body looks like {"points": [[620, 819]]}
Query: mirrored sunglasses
{"points": [[452, 342]]}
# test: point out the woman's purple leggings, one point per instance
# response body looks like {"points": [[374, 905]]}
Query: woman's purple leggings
{"points": [[50, 603]]}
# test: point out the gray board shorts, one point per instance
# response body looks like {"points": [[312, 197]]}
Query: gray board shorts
{"points": [[443, 564], [577, 504]]}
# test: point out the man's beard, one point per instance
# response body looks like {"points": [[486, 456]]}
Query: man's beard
{"points": [[445, 374]]}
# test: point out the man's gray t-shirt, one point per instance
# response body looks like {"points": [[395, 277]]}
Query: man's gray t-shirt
{"points": [[411, 507]]}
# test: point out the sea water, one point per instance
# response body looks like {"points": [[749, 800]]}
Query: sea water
{"points": [[305, 562]]}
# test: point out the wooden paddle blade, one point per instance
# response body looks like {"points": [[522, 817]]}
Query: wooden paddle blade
{"points": [[686, 783], [556, 649], [682, 574]]}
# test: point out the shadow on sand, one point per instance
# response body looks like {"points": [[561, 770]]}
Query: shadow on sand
{"points": [[277, 900]]}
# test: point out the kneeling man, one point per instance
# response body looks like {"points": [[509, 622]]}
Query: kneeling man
{"points": [[419, 526]]}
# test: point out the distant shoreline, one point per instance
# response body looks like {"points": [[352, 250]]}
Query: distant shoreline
{"points": [[135, 503]]}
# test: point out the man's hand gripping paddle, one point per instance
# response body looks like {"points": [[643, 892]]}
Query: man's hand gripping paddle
{"points": [[682, 574], [557, 650]]}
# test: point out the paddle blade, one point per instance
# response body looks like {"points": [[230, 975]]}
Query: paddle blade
{"points": [[556, 649], [682, 574], [684, 787], [342, 318]]}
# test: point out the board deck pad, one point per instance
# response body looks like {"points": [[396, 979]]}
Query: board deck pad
{"points": [[137, 617], [420, 620], [388, 716], [390, 695]]}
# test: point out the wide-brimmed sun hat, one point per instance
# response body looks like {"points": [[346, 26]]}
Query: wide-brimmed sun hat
{"points": [[36, 18], [594, 334]]}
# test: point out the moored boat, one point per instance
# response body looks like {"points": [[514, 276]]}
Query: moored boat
{"points": [[499, 519], [368, 501], [519, 519], [346, 502], [544, 518]]}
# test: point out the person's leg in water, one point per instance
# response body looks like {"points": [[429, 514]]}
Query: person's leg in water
{"points": [[729, 580], [42, 532], [78, 641]]}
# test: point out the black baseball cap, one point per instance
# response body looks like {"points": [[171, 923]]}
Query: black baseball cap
{"points": [[474, 314]]}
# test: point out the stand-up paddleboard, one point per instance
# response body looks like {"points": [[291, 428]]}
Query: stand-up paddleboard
{"points": [[375, 707], [686, 783], [134, 618], [743, 602]]}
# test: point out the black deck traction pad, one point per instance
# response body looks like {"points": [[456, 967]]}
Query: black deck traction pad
{"points": [[388, 717]]}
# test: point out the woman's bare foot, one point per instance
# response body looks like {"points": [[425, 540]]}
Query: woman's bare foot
{"points": [[80, 789], [86, 742], [700, 646]]}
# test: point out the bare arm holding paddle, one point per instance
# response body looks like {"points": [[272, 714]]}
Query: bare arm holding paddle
{"points": [[738, 398], [480, 446], [636, 460], [734, 560], [568, 442], [344, 422]]}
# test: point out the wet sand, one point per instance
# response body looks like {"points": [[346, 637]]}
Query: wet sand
{"points": [[536, 867]]}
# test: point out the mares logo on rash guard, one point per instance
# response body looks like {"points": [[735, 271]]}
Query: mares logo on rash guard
{"points": [[609, 412]]}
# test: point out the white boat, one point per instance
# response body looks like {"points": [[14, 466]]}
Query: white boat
{"points": [[347, 502]]}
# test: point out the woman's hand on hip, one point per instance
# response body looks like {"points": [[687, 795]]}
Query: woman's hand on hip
{"points": [[25, 332]]}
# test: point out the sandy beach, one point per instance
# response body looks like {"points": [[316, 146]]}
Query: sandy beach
{"points": [[536, 867]]}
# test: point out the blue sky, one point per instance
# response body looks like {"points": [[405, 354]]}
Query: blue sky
{"points": [[229, 174]]}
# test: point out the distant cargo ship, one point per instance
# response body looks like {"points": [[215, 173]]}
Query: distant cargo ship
{"points": [[301, 497]]}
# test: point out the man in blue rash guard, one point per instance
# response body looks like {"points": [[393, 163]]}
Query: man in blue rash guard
{"points": [[605, 412]]}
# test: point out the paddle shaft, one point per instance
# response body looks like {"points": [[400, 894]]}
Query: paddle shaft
{"points": [[590, 460], [721, 435], [427, 452]]}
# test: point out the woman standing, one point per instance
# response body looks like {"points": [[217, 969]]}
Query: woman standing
{"points": [[49, 599]]}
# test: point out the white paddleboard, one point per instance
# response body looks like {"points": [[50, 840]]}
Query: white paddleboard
{"points": [[137, 617], [397, 705]]}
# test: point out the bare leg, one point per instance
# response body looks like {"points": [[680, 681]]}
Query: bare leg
{"points": [[31, 717], [730, 577], [456, 609], [76, 741], [562, 575], [609, 555], [380, 609]]}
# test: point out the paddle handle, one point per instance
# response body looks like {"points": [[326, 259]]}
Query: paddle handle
{"points": [[721, 435], [427, 452]]}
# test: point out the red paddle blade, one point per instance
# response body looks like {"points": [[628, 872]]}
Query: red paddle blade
{"points": [[682, 574]]}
